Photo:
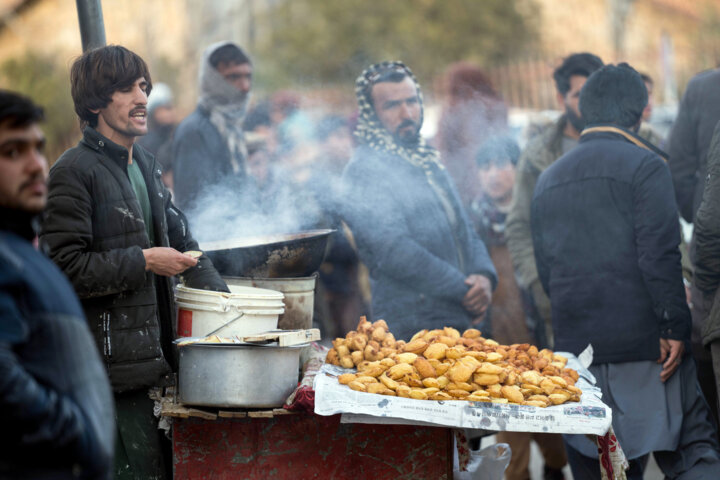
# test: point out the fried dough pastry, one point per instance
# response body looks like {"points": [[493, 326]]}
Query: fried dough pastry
{"points": [[445, 364]]}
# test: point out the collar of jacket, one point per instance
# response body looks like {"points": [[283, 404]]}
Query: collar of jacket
{"points": [[626, 134], [19, 222], [546, 147], [101, 144]]}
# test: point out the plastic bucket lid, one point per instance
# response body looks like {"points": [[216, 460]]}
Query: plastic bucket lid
{"points": [[239, 291], [219, 309], [239, 296], [224, 306]]}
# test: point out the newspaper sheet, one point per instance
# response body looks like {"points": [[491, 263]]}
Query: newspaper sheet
{"points": [[590, 416]]}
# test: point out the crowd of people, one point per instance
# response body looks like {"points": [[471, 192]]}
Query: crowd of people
{"points": [[573, 240]]}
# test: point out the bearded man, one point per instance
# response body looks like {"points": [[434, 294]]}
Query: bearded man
{"points": [[428, 269], [209, 146], [549, 145]]}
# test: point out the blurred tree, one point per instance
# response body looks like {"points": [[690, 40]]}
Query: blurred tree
{"points": [[707, 39], [322, 41], [47, 82]]}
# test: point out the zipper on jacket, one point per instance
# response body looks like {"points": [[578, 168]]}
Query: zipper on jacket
{"points": [[107, 344]]}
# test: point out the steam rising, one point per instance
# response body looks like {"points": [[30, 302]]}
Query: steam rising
{"points": [[226, 212]]}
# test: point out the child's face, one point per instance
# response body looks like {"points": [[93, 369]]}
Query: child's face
{"points": [[497, 179]]}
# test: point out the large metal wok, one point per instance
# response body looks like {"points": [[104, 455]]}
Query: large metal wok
{"points": [[270, 256]]}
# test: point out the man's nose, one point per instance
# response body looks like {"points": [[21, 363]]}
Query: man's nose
{"points": [[141, 96], [244, 85], [36, 162]]}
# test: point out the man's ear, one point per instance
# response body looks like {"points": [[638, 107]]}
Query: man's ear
{"points": [[96, 111]]}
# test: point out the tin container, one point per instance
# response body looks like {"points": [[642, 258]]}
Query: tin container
{"points": [[232, 375]]}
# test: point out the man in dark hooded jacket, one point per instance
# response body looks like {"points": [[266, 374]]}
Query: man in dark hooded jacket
{"points": [[56, 408], [209, 148], [604, 227], [111, 226], [428, 269]]}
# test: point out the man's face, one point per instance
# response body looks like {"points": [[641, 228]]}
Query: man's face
{"points": [[23, 168], [497, 179], [237, 75], [125, 117], [398, 107], [571, 102]]}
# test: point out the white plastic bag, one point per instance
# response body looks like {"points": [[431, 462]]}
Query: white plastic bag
{"points": [[488, 463]]}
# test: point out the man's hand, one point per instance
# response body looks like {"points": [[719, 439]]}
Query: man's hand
{"points": [[671, 352], [167, 261], [478, 297]]}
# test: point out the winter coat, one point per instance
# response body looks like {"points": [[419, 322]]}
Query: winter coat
{"points": [[56, 407], [605, 231], [707, 242], [405, 239], [201, 161], [690, 139], [94, 230]]}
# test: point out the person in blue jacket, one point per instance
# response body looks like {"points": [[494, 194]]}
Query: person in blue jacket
{"points": [[56, 407], [606, 235], [428, 269]]}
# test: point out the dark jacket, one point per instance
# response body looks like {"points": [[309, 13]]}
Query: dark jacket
{"points": [[707, 243], [56, 407], [405, 239], [94, 231], [604, 224], [201, 159], [690, 139]]}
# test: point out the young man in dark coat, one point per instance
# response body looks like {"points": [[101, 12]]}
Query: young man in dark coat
{"points": [[111, 226], [56, 407], [428, 269], [605, 232], [209, 150]]}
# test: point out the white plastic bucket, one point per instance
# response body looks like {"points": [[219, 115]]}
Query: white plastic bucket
{"points": [[201, 312], [299, 297]]}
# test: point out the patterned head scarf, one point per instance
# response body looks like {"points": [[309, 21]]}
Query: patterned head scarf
{"points": [[370, 129]]}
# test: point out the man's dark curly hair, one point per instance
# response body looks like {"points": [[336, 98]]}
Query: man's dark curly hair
{"points": [[583, 64]]}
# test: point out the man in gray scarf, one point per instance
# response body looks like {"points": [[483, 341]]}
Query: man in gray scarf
{"points": [[209, 146]]}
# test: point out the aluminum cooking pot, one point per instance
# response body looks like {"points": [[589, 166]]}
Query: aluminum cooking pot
{"points": [[232, 375], [272, 256]]}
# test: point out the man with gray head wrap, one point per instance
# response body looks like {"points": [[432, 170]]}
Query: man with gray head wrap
{"points": [[209, 146], [428, 269]]}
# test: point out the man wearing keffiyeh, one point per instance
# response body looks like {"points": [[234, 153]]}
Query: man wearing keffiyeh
{"points": [[209, 145], [428, 269]]}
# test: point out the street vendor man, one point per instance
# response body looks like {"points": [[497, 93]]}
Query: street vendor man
{"points": [[606, 235], [428, 269], [111, 226]]}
